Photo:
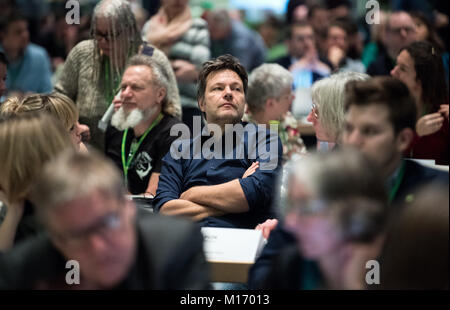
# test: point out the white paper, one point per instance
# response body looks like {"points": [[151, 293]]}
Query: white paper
{"points": [[232, 245]]}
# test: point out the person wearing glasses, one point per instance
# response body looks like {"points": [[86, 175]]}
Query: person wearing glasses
{"points": [[336, 212], [400, 31], [94, 68], [27, 142], [327, 112], [81, 202]]}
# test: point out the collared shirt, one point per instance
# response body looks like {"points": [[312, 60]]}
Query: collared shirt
{"points": [[178, 175]]}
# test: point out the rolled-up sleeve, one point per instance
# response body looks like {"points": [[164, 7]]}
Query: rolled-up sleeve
{"points": [[259, 188], [170, 182]]}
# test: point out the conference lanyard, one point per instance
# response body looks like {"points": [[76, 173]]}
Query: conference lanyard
{"points": [[398, 181], [134, 147]]}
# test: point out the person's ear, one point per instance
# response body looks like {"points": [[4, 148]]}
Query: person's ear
{"points": [[161, 94], [201, 104], [404, 139]]}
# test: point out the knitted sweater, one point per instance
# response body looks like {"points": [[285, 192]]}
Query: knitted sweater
{"points": [[77, 82], [193, 47]]}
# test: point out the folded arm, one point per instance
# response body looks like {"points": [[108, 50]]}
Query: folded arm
{"points": [[189, 209], [227, 197]]}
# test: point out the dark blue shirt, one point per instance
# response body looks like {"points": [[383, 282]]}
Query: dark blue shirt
{"points": [[197, 168]]}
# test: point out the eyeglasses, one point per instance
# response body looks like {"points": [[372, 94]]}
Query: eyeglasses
{"points": [[308, 207], [102, 228], [315, 111], [398, 31], [107, 36]]}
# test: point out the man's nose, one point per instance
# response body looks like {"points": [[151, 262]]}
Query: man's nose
{"points": [[228, 93], [355, 139]]}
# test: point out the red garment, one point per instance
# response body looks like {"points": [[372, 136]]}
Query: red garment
{"points": [[434, 146]]}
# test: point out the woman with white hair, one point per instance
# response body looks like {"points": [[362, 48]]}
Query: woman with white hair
{"points": [[269, 98], [93, 69], [327, 112]]}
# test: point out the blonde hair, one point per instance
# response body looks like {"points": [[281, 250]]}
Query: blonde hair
{"points": [[329, 96], [26, 143], [56, 104]]}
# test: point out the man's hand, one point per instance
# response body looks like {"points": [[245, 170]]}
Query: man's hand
{"points": [[267, 227], [117, 103], [335, 55], [429, 124], [85, 133], [251, 170]]}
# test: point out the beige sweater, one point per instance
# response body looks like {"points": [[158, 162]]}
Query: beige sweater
{"points": [[77, 82]]}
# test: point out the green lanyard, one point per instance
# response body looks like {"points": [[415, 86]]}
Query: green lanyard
{"points": [[110, 93], [398, 181], [134, 147]]}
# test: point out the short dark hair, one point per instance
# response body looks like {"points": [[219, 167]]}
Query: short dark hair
{"points": [[12, 17], [3, 58], [430, 73], [384, 91], [224, 62], [298, 25]]}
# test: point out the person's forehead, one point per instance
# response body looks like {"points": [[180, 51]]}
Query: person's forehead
{"points": [[336, 31], [401, 19], [302, 29], [138, 74], [225, 75], [376, 113], [80, 212], [17, 24]]}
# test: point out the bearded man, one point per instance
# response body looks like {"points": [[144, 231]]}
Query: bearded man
{"points": [[142, 121]]}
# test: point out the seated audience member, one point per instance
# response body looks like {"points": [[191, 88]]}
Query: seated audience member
{"points": [[93, 69], [336, 210], [141, 136], [269, 98], [185, 41], [380, 120], [400, 32], [229, 36], [26, 143], [415, 251], [58, 105], [319, 19], [80, 200], [327, 113], [303, 58], [426, 32], [3, 71], [213, 187], [419, 66], [338, 45], [29, 68]]}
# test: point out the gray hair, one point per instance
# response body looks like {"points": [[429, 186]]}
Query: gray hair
{"points": [[267, 81], [73, 174], [329, 96], [123, 35], [348, 186], [160, 78]]}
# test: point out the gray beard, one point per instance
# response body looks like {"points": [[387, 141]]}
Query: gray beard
{"points": [[121, 120]]}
